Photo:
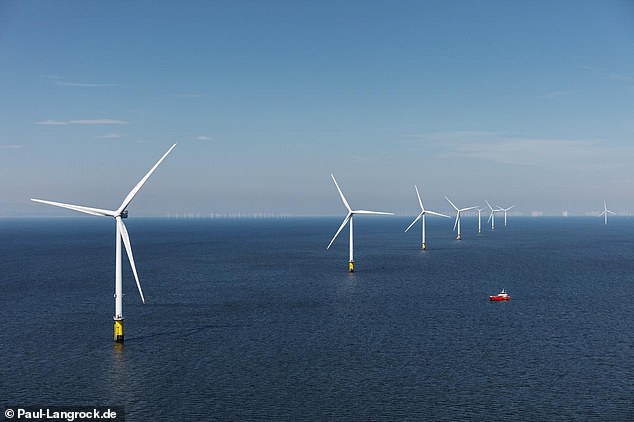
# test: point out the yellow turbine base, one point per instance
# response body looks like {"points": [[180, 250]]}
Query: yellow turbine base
{"points": [[351, 266], [118, 330], [424, 246], [458, 238]]}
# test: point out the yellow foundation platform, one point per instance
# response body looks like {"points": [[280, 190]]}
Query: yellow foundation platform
{"points": [[118, 330]]}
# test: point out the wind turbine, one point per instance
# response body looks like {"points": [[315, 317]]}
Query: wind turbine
{"points": [[349, 218], [505, 211], [605, 212], [422, 214], [492, 215], [121, 234], [480, 220], [458, 211]]}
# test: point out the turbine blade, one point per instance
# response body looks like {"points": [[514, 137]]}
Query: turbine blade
{"points": [[345, 221], [371, 212], [452, 204], [128, 248], [437, 213], [489, 205], [456, 223], [138, 186], [511, 207], [80, 208], [419, 200], [414, 222], [490, 215], [613, 213], [467, 209], [601, 215], [343, 198]]}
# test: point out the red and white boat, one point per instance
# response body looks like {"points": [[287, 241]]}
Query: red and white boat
{"points": [[500, 296]]}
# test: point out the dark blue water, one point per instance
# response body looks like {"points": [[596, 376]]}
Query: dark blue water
{"points": [[253, 319]]}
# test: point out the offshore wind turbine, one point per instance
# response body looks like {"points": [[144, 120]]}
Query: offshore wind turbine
{"points": [[505, 211], [492, 215], [480, 220], [422, 214], [349, 219], [605, 212], [458, 211], [121, 235]]}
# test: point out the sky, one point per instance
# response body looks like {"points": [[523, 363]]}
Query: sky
{"points": [[510, 101]]}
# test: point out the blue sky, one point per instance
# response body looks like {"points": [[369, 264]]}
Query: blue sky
{"points": [[510, 101]]}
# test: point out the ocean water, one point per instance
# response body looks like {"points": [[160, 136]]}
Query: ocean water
{"points": [[254, 319]]}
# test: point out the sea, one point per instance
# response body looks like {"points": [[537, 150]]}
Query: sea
{"points": [[253, 319]]}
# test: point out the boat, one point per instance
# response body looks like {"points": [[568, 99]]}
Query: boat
{"points": [[500, 296]]}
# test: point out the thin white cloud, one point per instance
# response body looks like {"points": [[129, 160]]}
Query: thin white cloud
{"points": [[98, 122], [190, 95], [11, 146], [59, 81], [578, 154], [51, 122], [555, 94], [82, 85], [204, 138], [111, 136]]}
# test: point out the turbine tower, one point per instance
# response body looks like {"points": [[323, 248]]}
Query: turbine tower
{"points": [[121, 235], [480, 220], [458, 212], [422, 214], [349, 218], [605, 212], [492, 215], [505, 211]]}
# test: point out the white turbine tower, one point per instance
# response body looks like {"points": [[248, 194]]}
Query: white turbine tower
{"points": [[121, 234], [505, 211], [492, 215], [349, 218], [458, 211], [605, 212], [422, 214], [480, 220]]}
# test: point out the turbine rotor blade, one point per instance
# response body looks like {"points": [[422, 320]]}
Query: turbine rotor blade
{"points": [[613, 213], [456, 223], [419, 200], [601, 215], [437, 213], [452, 204], [371, 212], [345, 221], [80, 208], [343, 198], [467, 209], [414, 222], [128, 248], [138, 186], [489, 205], [490, 216]]}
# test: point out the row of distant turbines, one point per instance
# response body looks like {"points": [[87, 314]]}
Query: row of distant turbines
{"points": [[351, 213], [122, 235]]}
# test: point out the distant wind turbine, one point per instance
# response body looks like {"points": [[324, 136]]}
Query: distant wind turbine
{"points": [[605, 212], [121, 234], [422, 214], [349, 218], [492, 215], [458, 212], [505, 211]]}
